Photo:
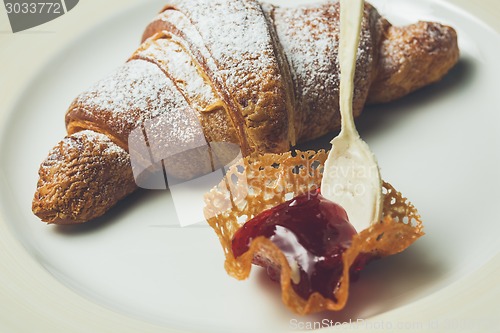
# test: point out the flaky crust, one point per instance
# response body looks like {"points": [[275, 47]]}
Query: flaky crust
{"points": [[231, 42], [412, 57], [309, 37], [232, 71], [84, 175]]}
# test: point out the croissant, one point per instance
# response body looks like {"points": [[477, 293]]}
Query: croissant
{"points": [[224, 73]]}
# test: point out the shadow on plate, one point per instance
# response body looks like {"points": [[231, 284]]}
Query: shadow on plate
{"points": [[113, 216], [384, 285], [378, 118]]}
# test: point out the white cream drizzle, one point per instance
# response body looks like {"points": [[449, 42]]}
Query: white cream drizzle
{"points": [[351, 177]]}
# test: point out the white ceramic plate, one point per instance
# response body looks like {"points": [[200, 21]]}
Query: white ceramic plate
{"points": [[137, 270]]}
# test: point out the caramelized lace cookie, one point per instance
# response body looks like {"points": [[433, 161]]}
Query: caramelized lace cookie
{"points": [[253, 186]]}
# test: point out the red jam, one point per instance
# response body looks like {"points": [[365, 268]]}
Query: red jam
{"points": [[310, 230]]}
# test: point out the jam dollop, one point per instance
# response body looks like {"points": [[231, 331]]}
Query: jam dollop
{"points": [[312, 232]]}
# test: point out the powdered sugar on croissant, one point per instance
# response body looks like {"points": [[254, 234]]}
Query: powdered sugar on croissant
{"points": [[241, 72]]}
